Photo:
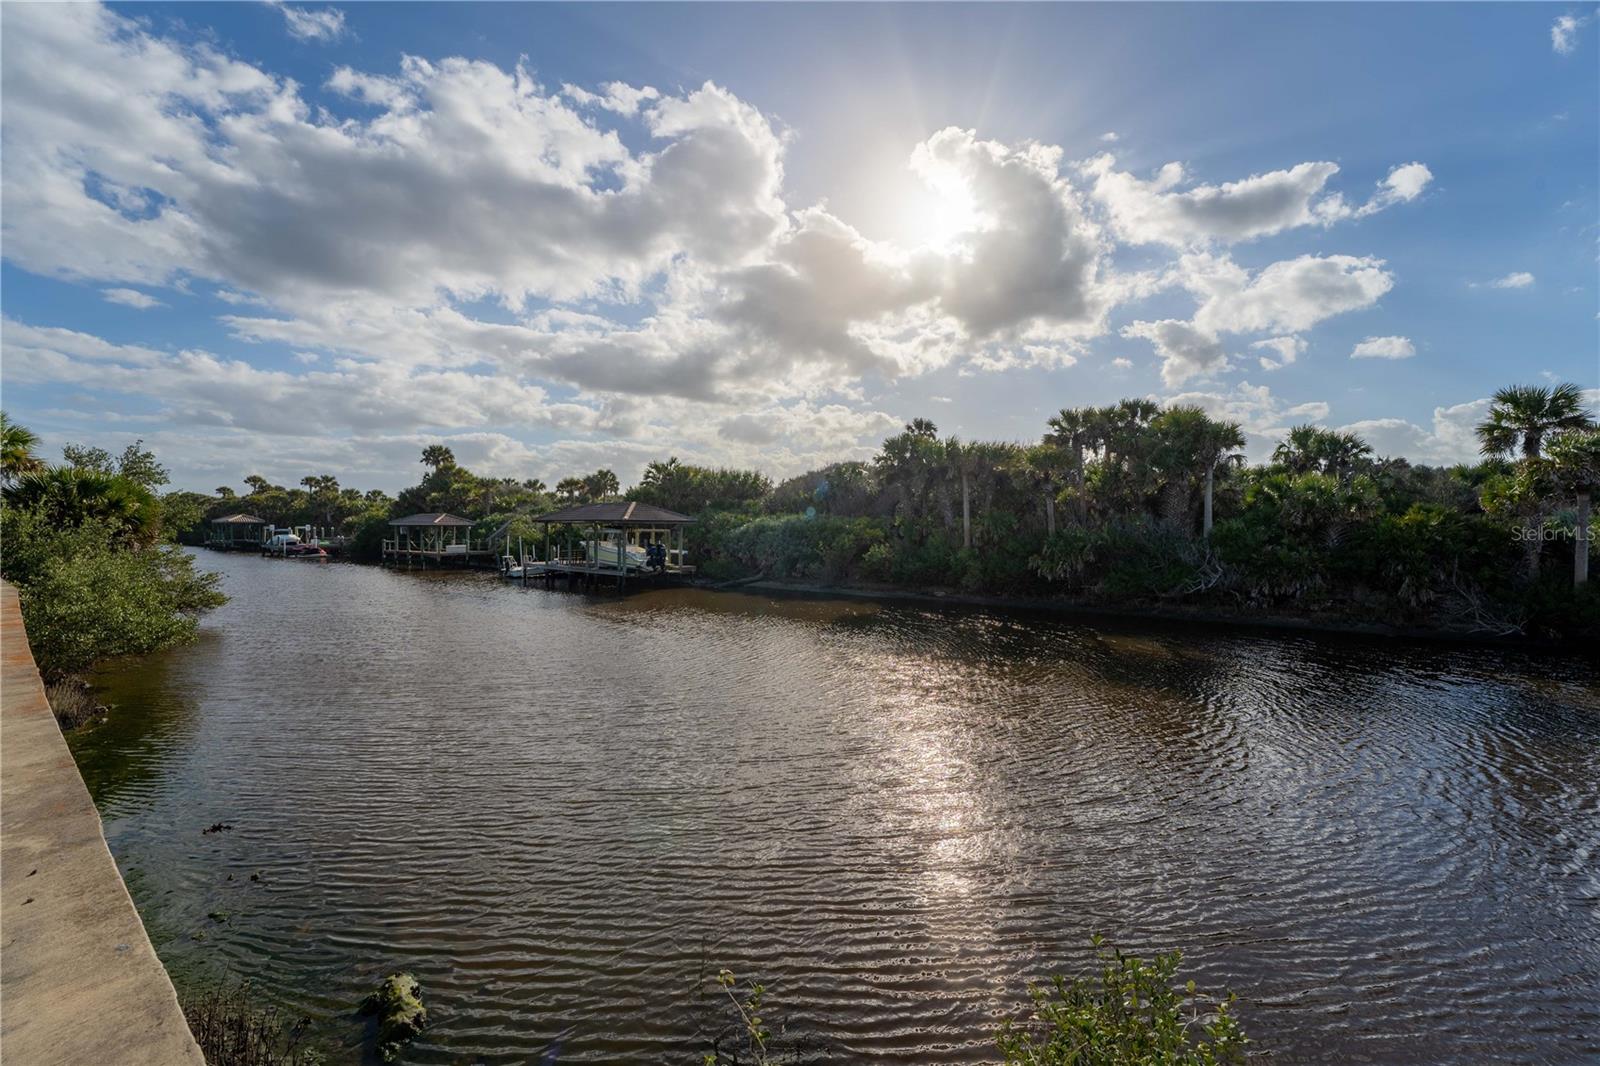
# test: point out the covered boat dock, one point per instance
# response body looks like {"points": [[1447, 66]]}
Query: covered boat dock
{"points": [[442, 539], [237, 532], [610, 542]]}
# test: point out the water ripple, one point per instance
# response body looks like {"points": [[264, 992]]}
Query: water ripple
{"points": [[561, 813]]}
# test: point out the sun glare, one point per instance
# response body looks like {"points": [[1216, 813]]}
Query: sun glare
{"points": [[935, 215]]}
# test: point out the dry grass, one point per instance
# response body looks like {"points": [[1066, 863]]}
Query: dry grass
{"points": [[232, 1029], [73, 703]]}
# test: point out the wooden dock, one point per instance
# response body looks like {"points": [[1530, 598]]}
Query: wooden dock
{"points": [[592, 575]]}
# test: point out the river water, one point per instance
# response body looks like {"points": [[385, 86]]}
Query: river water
{"points": [[562, 812]]}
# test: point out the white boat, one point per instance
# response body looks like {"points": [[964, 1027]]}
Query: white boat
{"points": [[605, 553], [509, 567]]}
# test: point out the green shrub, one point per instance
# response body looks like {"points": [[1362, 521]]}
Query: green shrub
{"points": [[87, 594], [818, 548], [1128, 1015], [1137, 558]]}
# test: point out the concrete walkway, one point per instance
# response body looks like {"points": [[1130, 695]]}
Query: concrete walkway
{"points": [[79, 982]]}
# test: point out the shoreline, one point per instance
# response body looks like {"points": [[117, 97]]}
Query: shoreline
{"points": [[81, 981], [1265, 621], [1262, 621]]}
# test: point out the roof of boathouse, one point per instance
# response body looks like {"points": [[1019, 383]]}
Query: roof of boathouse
{"points": [[238, 520], [625, 513], [432, 519]]}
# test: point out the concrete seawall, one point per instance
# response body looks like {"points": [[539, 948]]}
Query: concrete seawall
{"points": [[79, 981]]}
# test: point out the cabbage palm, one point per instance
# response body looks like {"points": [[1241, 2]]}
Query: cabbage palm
{"points": [[1044, 463], [1313, 449], [1523, 415], [1189, 440], [66, 496], [1073, 429], [601, 485], [1575, 458], [16, 450]]}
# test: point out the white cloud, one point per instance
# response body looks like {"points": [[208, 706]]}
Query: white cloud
{"points": [[1122, 363], [321, 24], [1284, 350], [1520, 279], [131, 298], [1158, 212], [1384, 348], [619, 96], [1449, 440], [1110, 137], [1564, 32], [1291, 295], [658, 281], [1405, 183], [1186, 352]]}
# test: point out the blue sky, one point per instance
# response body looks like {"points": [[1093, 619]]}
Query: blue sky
{"points": [[301, 239]]}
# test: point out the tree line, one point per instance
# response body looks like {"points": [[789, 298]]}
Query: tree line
{"points": [[1129, 503]]}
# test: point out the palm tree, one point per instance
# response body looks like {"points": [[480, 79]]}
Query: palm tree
{"points": [[601, 485], [1575, 455], [1526, 414], [1074, 429], [16, 450], [961, 457], [1312, 449], [1221, 445], [1189, 440], [67, 496], [436, 455], [1043, 464], [908, 462]]}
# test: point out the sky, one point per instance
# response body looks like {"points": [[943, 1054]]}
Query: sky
{"points": [[300, 239]]}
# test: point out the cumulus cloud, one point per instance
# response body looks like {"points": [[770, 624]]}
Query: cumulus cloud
{"points": [[1186, 351], [320, 24], [1282, 351], [651, 279], [1384, 348], [1449, 439], [1032, 268], [131, 298], [1291, 295], [1158, 211]]}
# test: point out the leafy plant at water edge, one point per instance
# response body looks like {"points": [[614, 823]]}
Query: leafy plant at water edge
{"points": [[87, 594], [1129, 1014]]}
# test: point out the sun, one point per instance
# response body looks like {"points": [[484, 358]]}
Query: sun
{"points": [[941, 217], [934, 212]]}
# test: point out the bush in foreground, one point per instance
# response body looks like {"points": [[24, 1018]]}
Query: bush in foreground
{"points": [[88, 594], [1129, 1015], [233, 1029]]}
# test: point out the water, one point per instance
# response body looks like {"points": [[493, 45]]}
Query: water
{"points": [[561, 813]]}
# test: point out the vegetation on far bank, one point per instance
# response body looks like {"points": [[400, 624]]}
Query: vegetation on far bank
{"points": [[1131, 504]]}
